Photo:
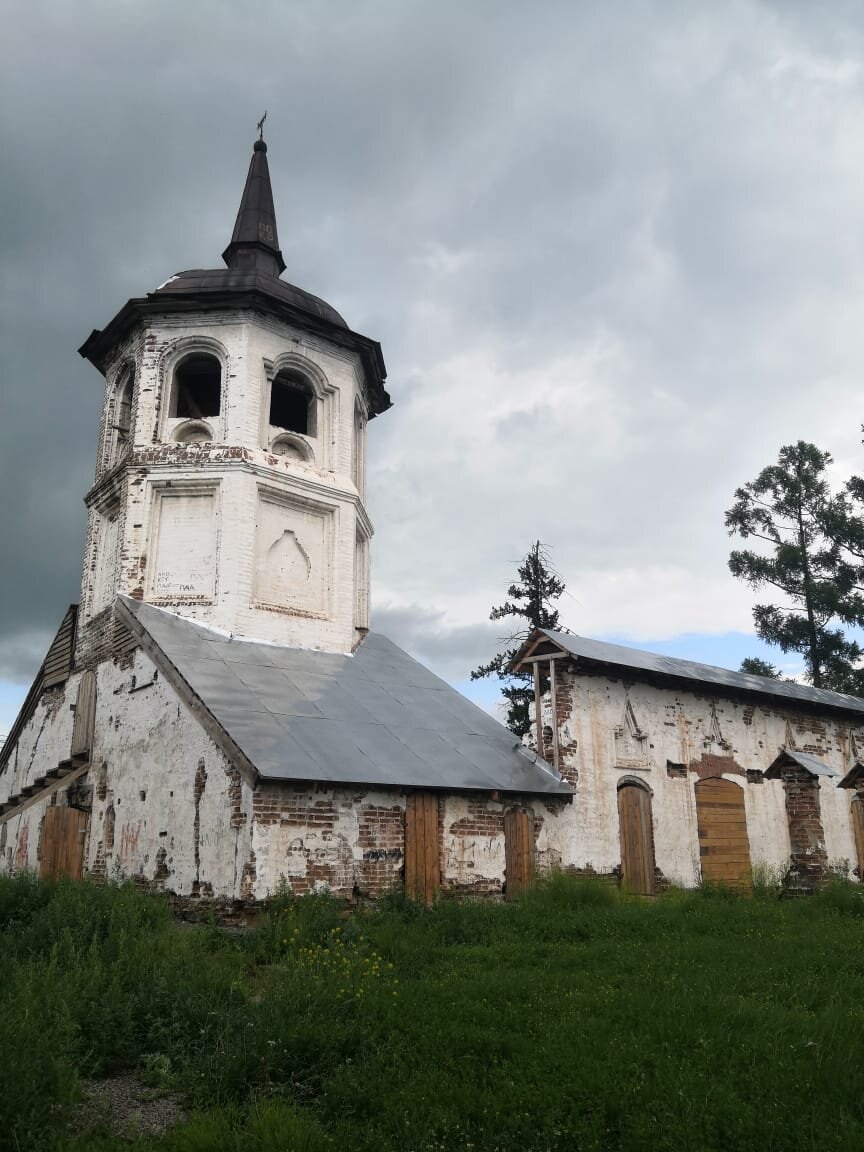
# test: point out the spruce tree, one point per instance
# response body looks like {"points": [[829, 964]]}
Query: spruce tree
{"points": [[531, 601], [810, 535], [753, 666]]}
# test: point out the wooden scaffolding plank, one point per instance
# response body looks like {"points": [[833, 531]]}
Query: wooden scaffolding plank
{"points": [[85, 716]]}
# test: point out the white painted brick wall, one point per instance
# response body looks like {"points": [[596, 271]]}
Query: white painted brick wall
{"points": [[679, 726], [236, 465]]}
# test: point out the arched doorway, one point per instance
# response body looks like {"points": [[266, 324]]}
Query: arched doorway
{"points": [[637, 837], [724, 848]]}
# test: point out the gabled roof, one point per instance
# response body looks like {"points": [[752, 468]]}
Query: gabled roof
{"points": [[804, 760], [376, 718], [598, 652], [55, 669], [854, 777]]}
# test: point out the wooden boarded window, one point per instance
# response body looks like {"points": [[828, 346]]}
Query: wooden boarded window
{"points": [[637, 839], [518, 852], [422, 852], [85, 716], [63, 832], [724, 848], [858, 829]]}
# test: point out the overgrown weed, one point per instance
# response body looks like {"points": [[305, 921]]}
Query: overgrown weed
{"points": [[572, 1017]]}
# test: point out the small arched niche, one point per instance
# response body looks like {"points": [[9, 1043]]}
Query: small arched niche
{"points": [[292, 447], [293, 405], [196, 389], [193, 432]]}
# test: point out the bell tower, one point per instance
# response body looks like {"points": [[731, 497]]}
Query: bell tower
{"points": [[230, 473]]}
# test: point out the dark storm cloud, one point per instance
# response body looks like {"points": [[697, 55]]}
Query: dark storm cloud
{"points": [[612, 253]]}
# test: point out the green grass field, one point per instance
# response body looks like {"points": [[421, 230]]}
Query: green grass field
{"points": [[575, 1019]]}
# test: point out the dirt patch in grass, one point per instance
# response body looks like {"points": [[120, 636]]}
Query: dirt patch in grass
{"points": [[127, 1108]]}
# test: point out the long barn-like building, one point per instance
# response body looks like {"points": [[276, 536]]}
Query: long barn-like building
{"points": [[216, 719], [684, 773]]}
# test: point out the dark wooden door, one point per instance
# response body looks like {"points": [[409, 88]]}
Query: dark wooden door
{"points": [[637, 839], [518, 852], [422, 851], [858, 829], [724, 848], [63, 833]]}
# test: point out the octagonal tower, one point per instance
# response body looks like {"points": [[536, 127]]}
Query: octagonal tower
{"points": [[230, 473]]}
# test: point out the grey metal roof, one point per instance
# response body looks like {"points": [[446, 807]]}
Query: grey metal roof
{"points": [[377, 717], [203, 281], [805, 759], [616, 654]]}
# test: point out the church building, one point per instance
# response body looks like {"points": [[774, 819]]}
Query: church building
{"points": [[216, 719]]}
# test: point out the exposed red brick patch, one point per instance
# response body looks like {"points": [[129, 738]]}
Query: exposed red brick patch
{"points": [[162, 870], [485, 818], [198, 792], [565, 694], [710, 764], [806, 834], [249, 877], [235, 796], [381, 838], [21, 847], [275, 805]]}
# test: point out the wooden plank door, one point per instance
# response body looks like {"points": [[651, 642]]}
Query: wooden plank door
{"points": [[637, 839], [63, 833], [422, 852], [518, 852], [858, 829], [724, 848]]}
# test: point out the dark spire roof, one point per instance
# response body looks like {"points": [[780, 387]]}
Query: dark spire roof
{"points": [[255, 242]]}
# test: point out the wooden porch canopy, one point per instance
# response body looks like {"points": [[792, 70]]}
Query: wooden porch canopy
{"points": [[539, 650]]}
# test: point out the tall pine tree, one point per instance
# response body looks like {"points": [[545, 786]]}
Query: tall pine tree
{"points": [[531, 603], [809, 534]]}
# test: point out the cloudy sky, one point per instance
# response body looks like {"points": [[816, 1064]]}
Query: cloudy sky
{"points": [[613, 253]]}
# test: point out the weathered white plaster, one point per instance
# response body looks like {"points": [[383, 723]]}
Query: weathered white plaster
{"points": [[148, 755], [615, 729], [44, 741], [192, 523]]}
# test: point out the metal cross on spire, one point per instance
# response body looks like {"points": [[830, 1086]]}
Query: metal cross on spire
{"points": [[261, 126]]}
